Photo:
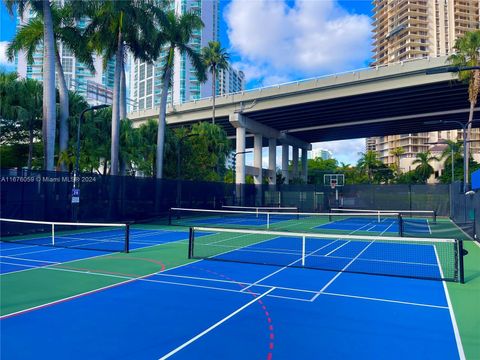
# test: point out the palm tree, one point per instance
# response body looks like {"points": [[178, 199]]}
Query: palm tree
{"points": [[30, 37], [117, 26], [453, 151], [397, 153], [467, 53], [175, 37], [215, 58], [49, 94], [424, 169], [21, 101], [368, 161]]}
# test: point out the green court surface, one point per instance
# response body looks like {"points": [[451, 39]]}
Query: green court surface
{"points": [[64, 280]]}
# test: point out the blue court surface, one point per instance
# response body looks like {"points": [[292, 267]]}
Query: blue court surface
{"points": [[301, 222], [21, 256], [412, 226], [215, 309]]}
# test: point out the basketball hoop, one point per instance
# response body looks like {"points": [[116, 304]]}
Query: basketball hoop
{"points": [[333, 184]]}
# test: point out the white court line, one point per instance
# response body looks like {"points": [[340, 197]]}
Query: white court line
{"points": [[385, 300], [429, 228], [345, 267], [31, 260], [350, 233], [218, 323], [286, 266], [458, 338], [90, 257], [312, 253], [15, 264], [239, 291]]}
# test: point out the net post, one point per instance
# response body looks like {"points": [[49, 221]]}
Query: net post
{"points": [[190, 243], [303, 250], [434, 217], [378, 216], [400, 225], [170, 216], [127, 238], [53, 234], [461, 270], [268, 220], [256, 210]]}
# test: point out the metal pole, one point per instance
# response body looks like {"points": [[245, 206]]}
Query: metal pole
{"points": [[76, 172], [453, 170], [465, 160]]}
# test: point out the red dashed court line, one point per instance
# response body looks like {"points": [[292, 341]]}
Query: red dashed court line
{"points": [[260, 302]]}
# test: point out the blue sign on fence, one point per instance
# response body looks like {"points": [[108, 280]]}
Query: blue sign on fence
{"points": [[75, 192], [476, 180]]}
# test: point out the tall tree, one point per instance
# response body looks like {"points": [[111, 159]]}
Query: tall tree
{"points": [[367, 162], [30, 37], [467, 54], [215, 58], [174, 39], [115, 27], [20, 110], [397, 153], [424, 169], [49, 94]]}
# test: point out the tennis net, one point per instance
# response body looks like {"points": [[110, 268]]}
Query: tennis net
{"points": [[261, 208], [423, 258], [89, 236], [371, 223], [408, 215]]}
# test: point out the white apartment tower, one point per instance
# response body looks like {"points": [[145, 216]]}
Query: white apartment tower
{"points": [[146, 79], [230, 81], [412, 29], [95, 87]]}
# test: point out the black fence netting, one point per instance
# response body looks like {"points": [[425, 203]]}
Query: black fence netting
{"points": [[465, 209], [41, 195]]}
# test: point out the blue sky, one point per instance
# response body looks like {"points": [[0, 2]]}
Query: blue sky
{"points": [[276, 41]]}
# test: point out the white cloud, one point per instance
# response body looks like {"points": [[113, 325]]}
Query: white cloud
{"points": [[278, 43], [4, 63], [344, 150]]}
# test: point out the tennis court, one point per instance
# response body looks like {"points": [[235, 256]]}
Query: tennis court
{"points": [[156, 303], [341, 221]]}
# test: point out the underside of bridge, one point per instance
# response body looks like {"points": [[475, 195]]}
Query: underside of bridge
{"points": [[402, 98], [400, 111]]}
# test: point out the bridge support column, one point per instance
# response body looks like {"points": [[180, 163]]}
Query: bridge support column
{"points": [[272, 160], [240, 160], [295, 162], [285, 162], [305, 165], [257, 158]]}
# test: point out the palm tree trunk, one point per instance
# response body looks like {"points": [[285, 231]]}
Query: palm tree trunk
{"points": [[214, 93], [162, 122], [116, 108], [49, 103], [64, 110], [475, 85], [123, 94], [30, 144]]}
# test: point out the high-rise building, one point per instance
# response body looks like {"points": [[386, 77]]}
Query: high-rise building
{"points": [[230, 81], [95, 87], [320, 153], [146, 79], [370, 144], [412, 29]]}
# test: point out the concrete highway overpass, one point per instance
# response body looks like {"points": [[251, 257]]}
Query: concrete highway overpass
{"points": [[395, 99]]}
